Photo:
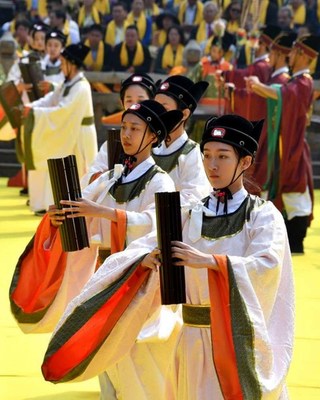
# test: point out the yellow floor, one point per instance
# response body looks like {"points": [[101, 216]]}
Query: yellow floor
{"points": [[21, 355]]}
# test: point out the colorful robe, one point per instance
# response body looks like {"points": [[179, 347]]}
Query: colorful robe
{"points": [[46, 278], [251, 299], [264, 160]]}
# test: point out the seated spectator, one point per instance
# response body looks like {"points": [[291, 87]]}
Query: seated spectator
{"points": [[103, 6], [204, 31], [100, 56], [143, 23], [115, 30], [88, 15], [151, 9], [58, 20], [131, 55], [164, 21], [70, 27], [285, 18], [190, 12], [232, 15], [171, 55], [37, 8], [21, 35]]}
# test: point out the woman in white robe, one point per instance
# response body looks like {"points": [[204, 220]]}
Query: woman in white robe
{"points": [[62, 122], [237, 338]]}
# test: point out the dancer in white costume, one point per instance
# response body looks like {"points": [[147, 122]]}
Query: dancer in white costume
{"points": [[237, 337]]}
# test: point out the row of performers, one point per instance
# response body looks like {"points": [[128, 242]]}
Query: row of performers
{"points": [[108, 319]]}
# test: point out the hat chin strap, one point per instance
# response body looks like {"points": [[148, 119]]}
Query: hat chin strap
{"points": [[128, 160], [225, 193]]}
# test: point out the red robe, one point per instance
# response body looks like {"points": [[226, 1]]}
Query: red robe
{"points": [[295, 169], [249, 105], [259, 169]]}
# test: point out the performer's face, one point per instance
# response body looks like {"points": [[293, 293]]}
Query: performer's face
{"points": [[220, 163], [133, 136], [53, 48], [38, 42], [166, 101], [134, 94]]}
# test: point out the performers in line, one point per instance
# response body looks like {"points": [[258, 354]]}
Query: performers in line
{"points": [[136, 88], [295, 187], [237, 337], [179, 155], [265, 170], [59, 124]]}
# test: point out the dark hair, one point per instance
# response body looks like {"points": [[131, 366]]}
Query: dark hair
{"points": [[180, 31], [60, 14], [133, 27], [119, 4], [249, 182], [24, 23]]}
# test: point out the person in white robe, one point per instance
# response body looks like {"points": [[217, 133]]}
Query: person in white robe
{"points": [[59, 124], [53, 77], [119, 207], [236, 340], [134, 89], [179, 155]]}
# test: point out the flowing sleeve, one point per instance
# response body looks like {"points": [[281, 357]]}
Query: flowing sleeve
{"points": [[101, 324], [254, 310]]}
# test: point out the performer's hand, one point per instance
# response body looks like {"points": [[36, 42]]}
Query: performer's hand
{"points": [[21, 87], [83, 208], [251, 81], [191, 257], [45, 86], [26, 111], [152, 260], [56, 216], [229, 87]]}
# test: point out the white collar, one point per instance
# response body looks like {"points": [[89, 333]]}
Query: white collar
{"points": [[233, 204], [164, 150], [261, 58], [301, 72], [282, 70], [139, 170]]}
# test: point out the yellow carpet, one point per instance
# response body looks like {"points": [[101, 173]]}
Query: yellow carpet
{"points": [[21, 355]]}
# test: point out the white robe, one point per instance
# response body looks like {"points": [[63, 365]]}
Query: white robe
{"points": [[189, 175], [260, 259], [81, 264], [58, 132]]}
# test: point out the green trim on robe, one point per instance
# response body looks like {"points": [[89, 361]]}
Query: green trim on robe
{"points": [[274, 111], [222, 226], [243, 338], [124, 192], [80, 316], [170, 161]]}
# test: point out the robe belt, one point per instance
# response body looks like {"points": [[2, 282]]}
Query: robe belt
{"points": [[87, 121], [196, 315]]}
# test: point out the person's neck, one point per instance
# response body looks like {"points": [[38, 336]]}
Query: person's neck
{"points": [[174, 135], [72, 75], [119, 24], [137, 14], [131, 47], [88, 9]]}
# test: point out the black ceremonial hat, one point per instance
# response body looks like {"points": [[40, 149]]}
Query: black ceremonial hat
{"points": [[183, 90], [160, 121], [269, 33], [39, 27], [56, 34], [233, 130], [143, 80], [76, 53], [310, 44], [284, 42]]}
